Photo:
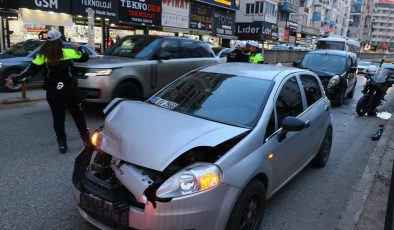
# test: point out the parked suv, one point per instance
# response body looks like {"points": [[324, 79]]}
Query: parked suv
{"points": [[138, 66], [337, 71]]}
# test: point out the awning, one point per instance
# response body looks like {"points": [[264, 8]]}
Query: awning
{"points": [[46, 18]]}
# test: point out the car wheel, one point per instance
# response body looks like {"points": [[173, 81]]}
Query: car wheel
{"points": [[339, 97], [7, 74], [362, 105], [322, 156], [128, 90], [248, 211], [351, 94]]}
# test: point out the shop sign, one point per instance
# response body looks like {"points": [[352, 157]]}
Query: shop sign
{"points": [[201, 17], [102, 8], [9, 4], [281, 33], [60, 6], [147, 12], [229, 4], [223, 22], [292, 25], [5, 34], [267, 29], [310, 30], [175, 13], [298, 38], [249, 31], [84, 22], [287, 35], [292, 39]]}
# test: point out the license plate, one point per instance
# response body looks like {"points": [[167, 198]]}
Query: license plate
{"points": [[103, 209]]}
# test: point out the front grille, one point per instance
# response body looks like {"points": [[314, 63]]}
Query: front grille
{"points": [[110, 190]]}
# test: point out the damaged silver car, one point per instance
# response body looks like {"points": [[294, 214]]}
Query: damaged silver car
{"points": [[205, 152]]}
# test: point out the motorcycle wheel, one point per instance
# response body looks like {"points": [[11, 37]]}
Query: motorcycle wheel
{"points": [[362, 105]]}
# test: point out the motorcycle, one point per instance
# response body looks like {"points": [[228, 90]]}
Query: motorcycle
{"points": [[375, 90]]}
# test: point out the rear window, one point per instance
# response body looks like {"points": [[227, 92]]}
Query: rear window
{"points": [[330, 45], [224, 98]]}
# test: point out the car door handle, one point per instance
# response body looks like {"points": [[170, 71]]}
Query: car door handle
{"points": [[307, 124]]}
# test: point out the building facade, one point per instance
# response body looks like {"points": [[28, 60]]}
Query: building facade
{"points": [[381, 32]]}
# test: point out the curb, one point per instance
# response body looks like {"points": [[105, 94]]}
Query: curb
{"points": [[21, 100], [356, 205]]}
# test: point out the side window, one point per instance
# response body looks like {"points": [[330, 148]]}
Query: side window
{"points": [[195, 49], [172, 48], [203, 50], [311, 88], [289, 102], [270, 126]]}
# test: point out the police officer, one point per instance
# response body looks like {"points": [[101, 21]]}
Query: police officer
{"points": [[255, 55], [238, 54], [61, 92]]}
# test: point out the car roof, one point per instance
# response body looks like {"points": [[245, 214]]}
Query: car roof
{"points": [[331, 52], [261, 71]]}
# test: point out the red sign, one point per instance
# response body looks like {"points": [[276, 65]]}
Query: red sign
{"points": [[386, 1], [287, 34]]}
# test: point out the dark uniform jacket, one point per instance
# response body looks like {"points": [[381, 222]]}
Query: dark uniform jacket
{"points": [[237, 56], [54, 73]]}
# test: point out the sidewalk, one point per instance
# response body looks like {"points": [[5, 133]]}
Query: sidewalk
{"points": [[367, 206], [32, 94]]}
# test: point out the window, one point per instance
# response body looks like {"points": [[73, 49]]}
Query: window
{"points": [[289, 102], [311, 89], [270, 126], [172, 48], [269, 9], [250, 9], [259, 7], [195, 49]]}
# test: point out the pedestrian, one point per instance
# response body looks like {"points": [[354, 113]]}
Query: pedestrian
{"points": [[238, 54], [255, 55], [61, 90]]}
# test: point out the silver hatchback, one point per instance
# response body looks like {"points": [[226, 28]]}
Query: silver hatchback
{"points": [[205, 152]]}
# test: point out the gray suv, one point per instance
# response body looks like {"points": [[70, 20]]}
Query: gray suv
{"points": [[138, 66]]}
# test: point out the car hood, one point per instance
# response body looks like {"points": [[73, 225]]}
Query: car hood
{"points": [[153, 137], [322, 73], [106, 61]]}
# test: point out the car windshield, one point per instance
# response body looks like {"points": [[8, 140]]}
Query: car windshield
{"points": [[134, 47], [21, 49], [324, 62], [224, 98]]}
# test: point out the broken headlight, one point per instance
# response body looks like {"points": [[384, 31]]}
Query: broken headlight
{"points": [[194, 178]]}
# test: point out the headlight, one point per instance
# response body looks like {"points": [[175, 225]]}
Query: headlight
{"points": [[97, 138], [333, 81], [194, 178], [98, 72]]}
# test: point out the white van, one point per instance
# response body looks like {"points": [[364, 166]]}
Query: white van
{"points": [[339, 43]]}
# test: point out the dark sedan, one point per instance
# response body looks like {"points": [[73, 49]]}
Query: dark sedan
{"points": [[19, 56]]}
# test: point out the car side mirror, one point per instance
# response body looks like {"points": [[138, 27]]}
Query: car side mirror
{"points": [[295, 64], [223, 55], [291, 124], [353, 70], [162, 55]]}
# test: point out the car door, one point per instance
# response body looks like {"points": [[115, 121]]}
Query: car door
{"points": [[350, 76], [288, 154], [174, 67], [317, 111]]}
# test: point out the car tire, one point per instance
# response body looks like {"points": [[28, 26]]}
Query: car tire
{"points": [[248, 211], [17, 87], [128, 90], [362, 105], [322, 156], [339, 97], [351, 94]]}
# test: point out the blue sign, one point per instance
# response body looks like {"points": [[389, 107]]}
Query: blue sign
{"points": [[228, 4], [316, 16], [288, 7]]}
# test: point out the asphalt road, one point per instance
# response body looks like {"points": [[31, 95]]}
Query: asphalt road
{"points": [[35, 180]]}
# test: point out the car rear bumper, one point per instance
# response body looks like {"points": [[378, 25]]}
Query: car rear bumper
{"points": [[204, 210]]}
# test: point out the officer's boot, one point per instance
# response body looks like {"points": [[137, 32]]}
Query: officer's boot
{"points": [[62, 142]]}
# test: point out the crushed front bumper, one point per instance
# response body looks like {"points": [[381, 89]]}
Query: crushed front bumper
{"points": [[117, 208]]}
